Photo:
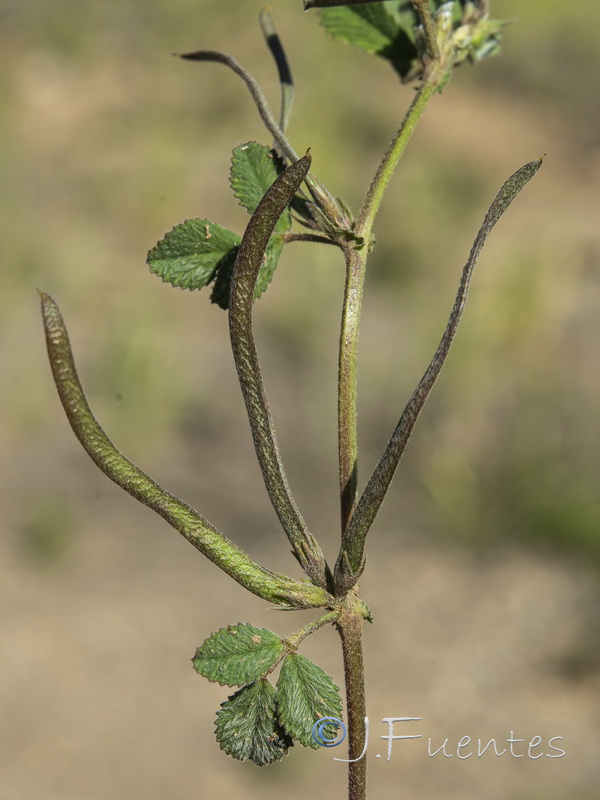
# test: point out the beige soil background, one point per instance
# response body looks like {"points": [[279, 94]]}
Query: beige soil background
{"points": [[482, 570]]}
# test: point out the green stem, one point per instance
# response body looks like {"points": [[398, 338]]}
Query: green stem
{"points": [[391, 157], [347, 381], [356, 262], [350, 625], [308, 237], [294, 640]]}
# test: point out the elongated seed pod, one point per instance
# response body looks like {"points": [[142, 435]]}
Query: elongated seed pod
{"points": [[326, 202], [286, 81], [198, 531], [351, 557], [250, 257], [257, 94]]}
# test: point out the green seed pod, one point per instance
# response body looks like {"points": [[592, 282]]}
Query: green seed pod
{"points": [[249, 260], [198, 531]]}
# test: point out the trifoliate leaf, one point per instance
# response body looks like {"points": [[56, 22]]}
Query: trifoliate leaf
{"points": [[222, 288], [254, 168], [386, 29], [247, 726], [238, 654], [305, 694], [190, 253]]}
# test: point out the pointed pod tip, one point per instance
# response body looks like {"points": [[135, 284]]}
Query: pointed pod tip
{"points": [[198, 55]]}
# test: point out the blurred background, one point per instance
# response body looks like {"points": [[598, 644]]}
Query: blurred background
{"points": [[483, 566]]}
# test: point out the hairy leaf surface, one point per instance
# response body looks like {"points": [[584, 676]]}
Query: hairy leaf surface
{"points": [[247, 726], [238, 654], [190, 253], [254, 168], [305, 694], [386, 29]]}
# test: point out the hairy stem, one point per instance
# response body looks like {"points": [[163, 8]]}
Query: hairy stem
{"points": [[350, 625], [423, 10], [327, 619], [308, 237], [356, 261], [391, 157], [347, 381]]}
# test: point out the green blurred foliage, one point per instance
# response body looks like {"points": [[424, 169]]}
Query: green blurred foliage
{"points": [[47, 531]]}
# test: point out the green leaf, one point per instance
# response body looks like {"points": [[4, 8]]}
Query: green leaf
{"points": [[386, 29], [237, 654], [190, 253], [247, 726], [265, 274], [254, 168], [391, 29], [305, 694], [222, 288]]}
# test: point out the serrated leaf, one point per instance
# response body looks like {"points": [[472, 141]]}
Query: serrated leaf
{"points": [[305, 694], [222, 288], [254, 168], [247, 726], [238, 654], [386, 29], [190, 253]]}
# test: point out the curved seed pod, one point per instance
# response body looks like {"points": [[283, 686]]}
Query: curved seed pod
{"points": [[249, 259], [207, 539], [257, 94], [320, 193], [351, 558], [283, 68]]}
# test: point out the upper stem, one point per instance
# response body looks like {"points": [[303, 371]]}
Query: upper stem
{"points": [[347, 381], [356, 262], [392, 155]]}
